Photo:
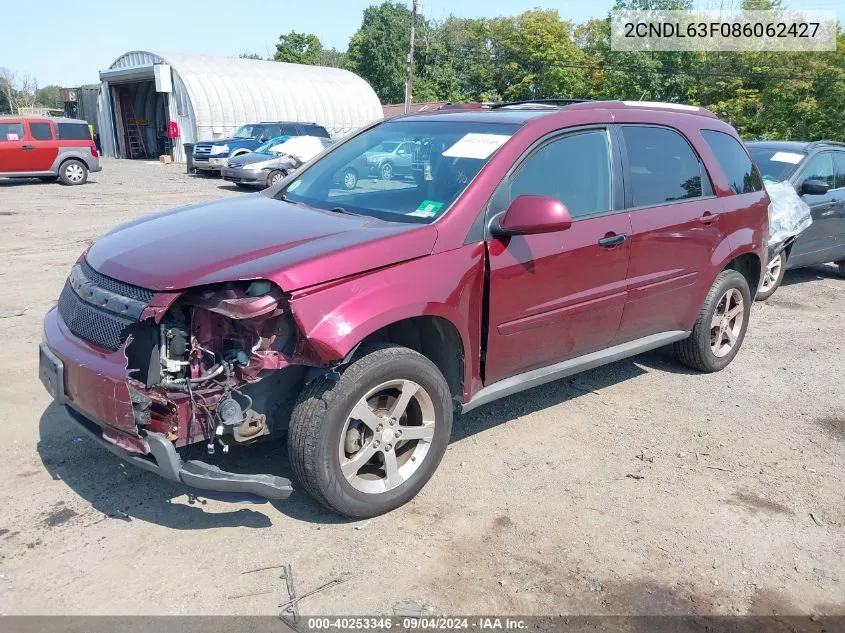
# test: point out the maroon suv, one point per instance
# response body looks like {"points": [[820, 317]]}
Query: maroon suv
{"points": [[522, 245]]}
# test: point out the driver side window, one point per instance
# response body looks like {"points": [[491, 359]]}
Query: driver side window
{"points": [[574, 169], [819, 168]]}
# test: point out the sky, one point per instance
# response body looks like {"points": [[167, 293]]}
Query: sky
{"points": [[68, 44]]}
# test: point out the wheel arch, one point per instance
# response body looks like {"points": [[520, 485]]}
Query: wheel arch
{"points": [[749, 266], [435, 337]]}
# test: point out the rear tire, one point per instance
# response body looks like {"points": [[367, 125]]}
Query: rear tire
{"points": [[73, 172], [350, 179], [772, 277], [841, 267], [345, 435], [721, 325]]}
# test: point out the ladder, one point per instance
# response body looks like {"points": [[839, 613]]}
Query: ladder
{"points": [[134, 137]]}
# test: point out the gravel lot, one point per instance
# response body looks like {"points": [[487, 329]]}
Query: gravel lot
{"points": [[636, 488]]}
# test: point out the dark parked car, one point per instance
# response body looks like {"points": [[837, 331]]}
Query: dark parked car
{"points": [[359, 321], [817, 171], [214, 155], [47, 148]]}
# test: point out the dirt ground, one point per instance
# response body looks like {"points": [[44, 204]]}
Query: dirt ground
{"points": [[638, 488]]}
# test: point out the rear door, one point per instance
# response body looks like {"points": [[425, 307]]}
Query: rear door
{"points": [[12, 141], [559, 295], [675, 229], [45, 149], [816, 244]]}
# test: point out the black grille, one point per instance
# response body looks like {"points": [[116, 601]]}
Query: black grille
{"points": [[91, 323], [115, 286]]}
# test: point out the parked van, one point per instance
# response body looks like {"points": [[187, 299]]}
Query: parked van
{"points": [[47, 148]]}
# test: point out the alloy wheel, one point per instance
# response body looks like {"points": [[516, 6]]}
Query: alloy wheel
{"points": [[387, 436], [772, 273], [726, 324]]}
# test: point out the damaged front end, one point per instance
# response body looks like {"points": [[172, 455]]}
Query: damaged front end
{"points": [[212, 367]]}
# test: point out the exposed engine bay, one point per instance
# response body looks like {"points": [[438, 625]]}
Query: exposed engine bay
{"points": [[209, 370]]}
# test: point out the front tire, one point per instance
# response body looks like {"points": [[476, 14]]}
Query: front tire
{"points": [[386, 171], [841, 267], [367, 442], [721, 325], [273, 177], [73, 172]]}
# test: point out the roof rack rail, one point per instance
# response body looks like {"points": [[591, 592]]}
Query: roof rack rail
{"points": [[815, 144], [548, 102]]}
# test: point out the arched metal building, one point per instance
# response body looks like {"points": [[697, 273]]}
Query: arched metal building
{"points": [[210, 97]]}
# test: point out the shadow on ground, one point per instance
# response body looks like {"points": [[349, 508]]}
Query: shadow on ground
{"points": [[813, 273], [121, 491]]}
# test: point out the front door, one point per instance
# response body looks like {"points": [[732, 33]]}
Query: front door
{"points": [[816, 244], [556, 296], [837, 211], [12, 140], [43, 147]]}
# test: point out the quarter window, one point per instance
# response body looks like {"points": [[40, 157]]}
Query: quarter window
{"points": [[41, 131], [820, 168], [73, 131], [11, 132], [661, 166], [574, 169], [741, 173]]}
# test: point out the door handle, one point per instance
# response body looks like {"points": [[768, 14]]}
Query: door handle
{"points": [[609, 241], [708, 218], [26, 148]]}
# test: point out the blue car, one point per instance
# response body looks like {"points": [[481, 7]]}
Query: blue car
{"points": [[212, 156]]}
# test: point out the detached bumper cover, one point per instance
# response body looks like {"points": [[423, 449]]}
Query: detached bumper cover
{"points": [[164, 461]]}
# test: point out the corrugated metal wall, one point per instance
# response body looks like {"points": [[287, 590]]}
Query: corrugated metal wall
{"points": [[213, 96]]}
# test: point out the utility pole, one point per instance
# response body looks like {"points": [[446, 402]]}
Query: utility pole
{"points": [[409, 83]]}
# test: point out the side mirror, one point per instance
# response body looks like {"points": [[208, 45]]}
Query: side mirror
{"points": [[814, 187], [527, 215]]}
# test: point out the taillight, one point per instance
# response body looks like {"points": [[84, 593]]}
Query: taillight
{"points": [[94, 152]]}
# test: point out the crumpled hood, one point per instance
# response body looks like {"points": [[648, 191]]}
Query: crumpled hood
{"points": [[251, 237]]}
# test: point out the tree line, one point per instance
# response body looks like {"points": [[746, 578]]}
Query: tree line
{"points": [[538, 54]]}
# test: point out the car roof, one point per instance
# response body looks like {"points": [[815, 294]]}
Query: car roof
{"points": [[524, 112], [793, 146], [797, 146], [36, 117]]}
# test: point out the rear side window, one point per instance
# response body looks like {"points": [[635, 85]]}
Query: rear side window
{"points": [[40, 131], [11, 132], [289, 130], [73, 131], [736, 164], [316, 130], [574, 169], [661, 166], [820, 168], [839, 169]]}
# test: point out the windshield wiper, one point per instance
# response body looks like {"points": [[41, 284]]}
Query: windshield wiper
{"points": [[342, 210], [284, 198]]}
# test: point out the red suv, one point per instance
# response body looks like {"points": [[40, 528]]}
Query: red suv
{"points": [[47, 148], [530, 244]]}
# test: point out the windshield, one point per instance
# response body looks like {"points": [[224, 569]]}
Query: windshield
{"points": [[775, 165], [264, 148], [435, 163], [249, 131]]}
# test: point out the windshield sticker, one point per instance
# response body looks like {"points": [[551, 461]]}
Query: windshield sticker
{"points": [[787, 157], [11, 136], [476, 145], [427, 209]]}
